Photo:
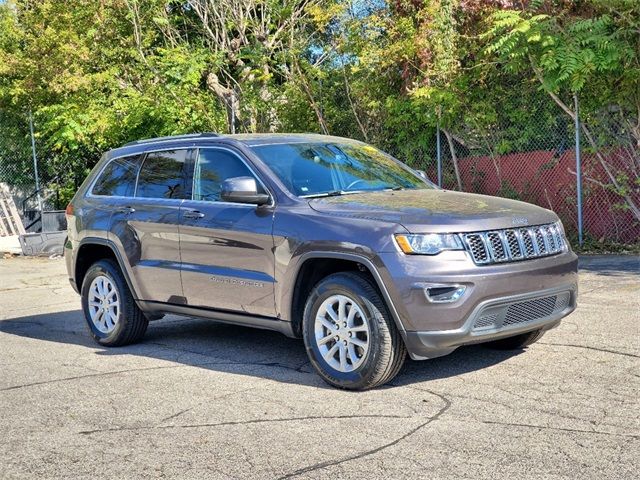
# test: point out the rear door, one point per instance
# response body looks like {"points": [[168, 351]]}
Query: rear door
{"points": [[146, 225], [226, 248]]}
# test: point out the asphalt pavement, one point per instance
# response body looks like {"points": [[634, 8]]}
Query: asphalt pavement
{"points": [[199, 399]]}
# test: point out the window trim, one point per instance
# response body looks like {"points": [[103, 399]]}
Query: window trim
{"points": [[90, 193], [190, 158], [145, 155], [251, 169]]}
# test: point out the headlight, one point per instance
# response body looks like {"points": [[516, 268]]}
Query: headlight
{"points": [[428, 243]]}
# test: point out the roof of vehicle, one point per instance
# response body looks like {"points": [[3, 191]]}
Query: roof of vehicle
{"points": [[255, 139], [249, 139], [188, 136]]}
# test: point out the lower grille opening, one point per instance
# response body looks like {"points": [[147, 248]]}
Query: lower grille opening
{"points": [[529, 310], [521, 312]]}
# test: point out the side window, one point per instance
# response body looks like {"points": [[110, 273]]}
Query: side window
{"points": [[118, 178], [164, 175], [214, 167]]}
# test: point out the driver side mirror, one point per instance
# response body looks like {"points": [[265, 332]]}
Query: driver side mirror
{"points": [[243, 190]]}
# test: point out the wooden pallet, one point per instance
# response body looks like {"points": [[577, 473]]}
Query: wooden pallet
{"points": [[10, 221]]}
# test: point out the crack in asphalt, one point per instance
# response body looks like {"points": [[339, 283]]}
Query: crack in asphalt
{"points": [[176, 415], [586, 347], [239, 422], [321, 465], [90, 375], [561, 429]]}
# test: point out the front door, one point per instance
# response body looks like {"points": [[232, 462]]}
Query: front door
{"points": [[226, 248], [146, 225]]}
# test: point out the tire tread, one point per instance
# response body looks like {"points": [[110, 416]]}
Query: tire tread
{"points": [[135, 322], [392, 349]]}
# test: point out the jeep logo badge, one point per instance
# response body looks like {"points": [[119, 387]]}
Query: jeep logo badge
{"points": [[520, 221]]}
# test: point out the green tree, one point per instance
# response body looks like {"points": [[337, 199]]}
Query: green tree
{"points": [[596, 58]]}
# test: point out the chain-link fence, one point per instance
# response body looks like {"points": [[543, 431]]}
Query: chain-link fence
{"points": [[527, 154], [34, 185], [16, 163], [530, 155]]}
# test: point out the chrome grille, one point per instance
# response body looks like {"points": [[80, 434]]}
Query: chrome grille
{"points": [[514, 244], [529, 249], [515, 250], [496, 247], [551, 240], [476, 246], [538, 236]]}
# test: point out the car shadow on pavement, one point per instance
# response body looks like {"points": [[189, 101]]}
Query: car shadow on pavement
{"points": [[234, 349]]}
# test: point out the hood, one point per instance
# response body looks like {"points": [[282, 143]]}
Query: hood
{"points": [[433, 211]]}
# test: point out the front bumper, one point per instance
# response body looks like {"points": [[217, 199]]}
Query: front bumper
{"points": [[500, 300], [495, 319]]}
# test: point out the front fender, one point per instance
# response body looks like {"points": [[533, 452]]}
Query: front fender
{"points": [[359, 254]]}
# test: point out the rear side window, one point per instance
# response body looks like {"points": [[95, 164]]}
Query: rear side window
{"points": [[164, 175], [214, 167], [118, 178]]}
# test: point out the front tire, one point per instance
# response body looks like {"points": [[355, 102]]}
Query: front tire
{"points": [[112, 316], [350, 337]]}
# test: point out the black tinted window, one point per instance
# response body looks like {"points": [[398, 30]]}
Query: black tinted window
{"points": [[118, 178], [214, 167], [164, 175]]}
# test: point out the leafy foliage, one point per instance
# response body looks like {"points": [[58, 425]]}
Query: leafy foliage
{"points": [[384, 71]]}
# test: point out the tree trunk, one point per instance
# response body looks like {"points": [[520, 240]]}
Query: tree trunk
{"points": [[271, 117], [454, 157], [229, 98], [587, 133], [347, 89], [312, 102]]}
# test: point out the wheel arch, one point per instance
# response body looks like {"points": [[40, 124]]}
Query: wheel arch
{"points": [[304, 281], [92, 249]]}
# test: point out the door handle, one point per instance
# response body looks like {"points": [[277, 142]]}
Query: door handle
{"points": [[126, 210], [194, 214]]}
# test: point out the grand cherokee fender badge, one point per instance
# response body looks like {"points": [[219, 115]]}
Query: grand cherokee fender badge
{"points": [[236, 281]]}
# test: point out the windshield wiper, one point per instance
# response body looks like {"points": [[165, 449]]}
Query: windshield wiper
{"points": [[333, 193]]}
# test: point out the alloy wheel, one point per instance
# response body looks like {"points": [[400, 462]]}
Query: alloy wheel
{"points": [[342, 333], [104, 304]]}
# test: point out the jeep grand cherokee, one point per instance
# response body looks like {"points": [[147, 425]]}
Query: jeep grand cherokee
{"points": [[318, 237]]}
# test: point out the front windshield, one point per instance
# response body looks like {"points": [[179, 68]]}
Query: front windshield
{"points": [[316, 169]]}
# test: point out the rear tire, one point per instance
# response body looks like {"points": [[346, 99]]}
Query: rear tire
{"points": [[350, 337], [516, 342], [112, 316]]}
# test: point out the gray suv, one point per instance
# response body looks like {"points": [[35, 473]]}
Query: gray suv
{"points": [[318, 237]]}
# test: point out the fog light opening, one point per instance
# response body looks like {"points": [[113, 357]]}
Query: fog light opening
{"points": [[444, 293]]}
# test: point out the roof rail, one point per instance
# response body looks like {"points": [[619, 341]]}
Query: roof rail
{"points": [[173, 138]]}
